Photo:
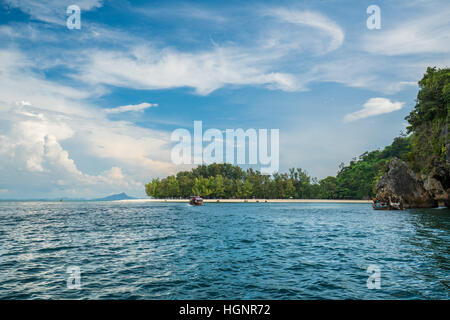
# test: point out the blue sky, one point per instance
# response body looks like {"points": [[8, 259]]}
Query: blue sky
{"points": [[311, 69]]}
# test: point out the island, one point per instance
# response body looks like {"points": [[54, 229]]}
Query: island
{"points": [[414, 170]]}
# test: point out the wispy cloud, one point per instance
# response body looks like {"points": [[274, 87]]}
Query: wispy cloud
{"points": [[49, 10], [139, 64], [182, 11], [132, 107], [314, 20], [257, 63], [429, 33], [145, 68], [374, 107]]}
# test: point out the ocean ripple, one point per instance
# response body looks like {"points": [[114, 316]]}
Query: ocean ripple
{"points": [[221, 251]]}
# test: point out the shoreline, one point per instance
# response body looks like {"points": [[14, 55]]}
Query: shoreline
{"points": [[250, 200]]}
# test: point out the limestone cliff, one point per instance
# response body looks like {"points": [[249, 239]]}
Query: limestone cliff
{"points": [[400, 183]]}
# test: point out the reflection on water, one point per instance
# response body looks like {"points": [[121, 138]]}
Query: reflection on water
{"points": [[221, 251]]}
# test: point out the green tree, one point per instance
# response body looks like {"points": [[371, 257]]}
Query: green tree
{"points": [[289, 189], [151, 188], [203, 186], [173, 189], [219, 186], [429, 121], [247, 189], [328, 188]]}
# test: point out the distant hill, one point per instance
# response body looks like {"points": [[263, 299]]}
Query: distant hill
{"points": [[119, 196]]}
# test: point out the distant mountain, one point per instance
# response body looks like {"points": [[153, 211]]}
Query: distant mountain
{"points": [[119, 196]]}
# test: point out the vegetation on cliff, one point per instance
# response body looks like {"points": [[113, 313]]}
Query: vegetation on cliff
{"points": [[429, 120], [424, 179]]}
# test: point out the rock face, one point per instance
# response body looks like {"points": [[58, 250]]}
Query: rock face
{"points": [[402, 184], [437, 183]]}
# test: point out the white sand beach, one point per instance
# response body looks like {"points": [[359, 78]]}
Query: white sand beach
{"points": [[250, 200]]}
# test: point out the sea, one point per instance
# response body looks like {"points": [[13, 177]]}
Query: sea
{"points": [[289, 251]]}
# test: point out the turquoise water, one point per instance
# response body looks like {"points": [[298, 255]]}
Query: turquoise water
{"points": [[221, 251]]}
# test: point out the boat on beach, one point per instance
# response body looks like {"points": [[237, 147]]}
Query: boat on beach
{"points": [[196, 201]]}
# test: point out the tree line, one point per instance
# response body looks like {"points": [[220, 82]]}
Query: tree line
{"points": [[353, 181]]}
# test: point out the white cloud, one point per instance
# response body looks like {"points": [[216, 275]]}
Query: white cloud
{"points": [[115, 173], [23, 103], [143, 65], [314, 20], [32, 150], [272, 55], [43, 124], [20, 86], [145, 68], [374, 107], [183, 11], [261, 61], [131, 107], [384, 74]]}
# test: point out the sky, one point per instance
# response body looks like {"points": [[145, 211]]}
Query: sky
{"points": [[89, 112]]}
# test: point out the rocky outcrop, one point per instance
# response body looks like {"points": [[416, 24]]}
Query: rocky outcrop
{"points": [[437, 183], [400, 183]]}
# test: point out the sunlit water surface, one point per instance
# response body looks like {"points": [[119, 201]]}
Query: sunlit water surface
{"points": [[221, 251]]}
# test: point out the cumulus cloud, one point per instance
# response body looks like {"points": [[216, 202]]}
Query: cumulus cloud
{"points": [[374, 107], [43, 124], [33, 150], [131, 107]]}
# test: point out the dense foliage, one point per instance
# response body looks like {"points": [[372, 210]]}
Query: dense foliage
{"points": [[424, 148], [429, 121], [354, 181]]}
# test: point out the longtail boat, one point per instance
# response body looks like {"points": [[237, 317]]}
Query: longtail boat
{"points": [[195, 201], [379, 205]]}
